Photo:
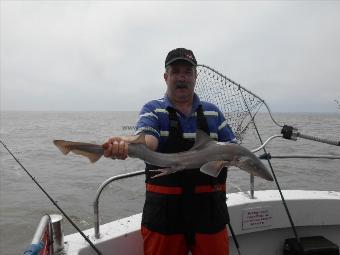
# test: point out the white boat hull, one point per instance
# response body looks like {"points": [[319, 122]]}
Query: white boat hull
{"points": [[260, 224]]}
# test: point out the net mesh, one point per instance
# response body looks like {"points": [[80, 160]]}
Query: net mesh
{"points": [[238, 105]]}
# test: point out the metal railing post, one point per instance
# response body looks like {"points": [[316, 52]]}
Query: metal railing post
{"points": [[252, 186], [58, 234], [51, 224], [99, 191]]}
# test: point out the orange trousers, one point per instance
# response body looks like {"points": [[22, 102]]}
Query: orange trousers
{"points": [[205, 244]]}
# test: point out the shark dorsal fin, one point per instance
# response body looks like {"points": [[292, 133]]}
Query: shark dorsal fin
{"points": [[202, 140]]}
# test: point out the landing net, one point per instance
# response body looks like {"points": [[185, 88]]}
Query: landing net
{"points": [[238, 105]]}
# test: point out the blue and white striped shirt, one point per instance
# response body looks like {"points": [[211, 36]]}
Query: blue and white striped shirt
{"points": [[154, 120]]}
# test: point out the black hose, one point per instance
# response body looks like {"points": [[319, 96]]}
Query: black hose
{"points": [[318, 139]]}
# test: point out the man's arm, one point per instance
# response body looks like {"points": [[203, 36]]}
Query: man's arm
{"points": [[117, 148], [225, 133], [151, 142]]}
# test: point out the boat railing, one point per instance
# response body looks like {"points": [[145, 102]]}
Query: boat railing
{"points": [[124, 176], [48, 237], [99, 191], [43, 233]]}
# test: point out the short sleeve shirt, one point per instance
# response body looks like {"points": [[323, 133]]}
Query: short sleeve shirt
{"points": [[154, 120]]}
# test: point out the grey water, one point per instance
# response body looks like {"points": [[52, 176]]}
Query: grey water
{"points": [[72, 180]]}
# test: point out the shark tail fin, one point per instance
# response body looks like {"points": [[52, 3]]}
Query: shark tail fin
{"points": [[62, 146], [66, 146]]}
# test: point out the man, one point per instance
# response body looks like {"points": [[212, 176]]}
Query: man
{"points": [[184, 211]]}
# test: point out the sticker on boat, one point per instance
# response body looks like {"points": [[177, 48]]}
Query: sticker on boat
{"points": [[256, 217]]}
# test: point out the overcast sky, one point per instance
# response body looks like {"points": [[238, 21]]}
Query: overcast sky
{"points": [[109, 55]]}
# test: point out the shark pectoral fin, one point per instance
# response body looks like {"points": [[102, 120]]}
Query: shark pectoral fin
{"points": [[166, 170], [213, 168], [162, 171], [91, 156]]}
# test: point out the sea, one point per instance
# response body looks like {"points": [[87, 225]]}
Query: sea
{"points": [[72, 181]]}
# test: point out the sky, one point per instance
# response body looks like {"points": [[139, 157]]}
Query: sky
{"points": [[109, 55]]}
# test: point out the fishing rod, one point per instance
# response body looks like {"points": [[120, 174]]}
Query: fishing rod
{"points": [[52, 200], [331, 142], [234, 238], [263, 144], [290, 133], [268, 155], [273, 173], [236, 102]]}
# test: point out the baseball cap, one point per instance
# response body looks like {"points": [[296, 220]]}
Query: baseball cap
{"points": [[180, 54]]}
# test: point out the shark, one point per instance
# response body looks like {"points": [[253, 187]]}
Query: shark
{"points": [[206, 154]]}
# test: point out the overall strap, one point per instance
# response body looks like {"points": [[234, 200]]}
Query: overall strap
{"points": [[202, 121], [175, 129], [187, 178], [187, 182]]}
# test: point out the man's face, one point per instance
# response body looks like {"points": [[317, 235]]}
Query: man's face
{"points": [[180, 78]]}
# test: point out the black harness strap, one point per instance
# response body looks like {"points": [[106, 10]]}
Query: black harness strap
{"points": [[188, 181], [202, 121], [189, 212]]}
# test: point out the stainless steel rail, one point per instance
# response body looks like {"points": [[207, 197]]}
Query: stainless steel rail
{"points": [[44, 225], [265, 143], [140, 172], [51, 224], [99, 191]]}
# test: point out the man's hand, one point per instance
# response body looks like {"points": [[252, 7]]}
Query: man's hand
{"points": [[116, 148]]}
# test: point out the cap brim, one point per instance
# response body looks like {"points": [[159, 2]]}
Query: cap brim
{"points": [[180, 58]]}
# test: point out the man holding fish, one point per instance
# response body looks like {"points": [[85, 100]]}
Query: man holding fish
{"points": [[186, 210], [185, 207]]}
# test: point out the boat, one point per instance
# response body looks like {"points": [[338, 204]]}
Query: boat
{"points": [[259, 222], [281, 222]]}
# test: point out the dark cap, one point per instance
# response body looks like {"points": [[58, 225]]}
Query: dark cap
{"points": [[180, 54]]}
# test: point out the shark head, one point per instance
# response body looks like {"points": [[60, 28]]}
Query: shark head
{"points": [[239, 157], [253, 165]]}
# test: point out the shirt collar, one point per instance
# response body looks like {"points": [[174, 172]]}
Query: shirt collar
{"points": [[195, 103]]}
